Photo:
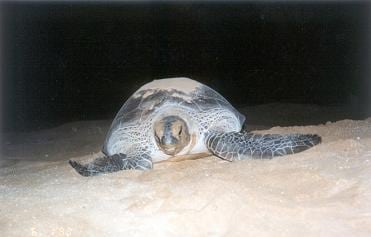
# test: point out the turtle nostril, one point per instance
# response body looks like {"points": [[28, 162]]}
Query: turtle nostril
{"points": [[169, 140]]}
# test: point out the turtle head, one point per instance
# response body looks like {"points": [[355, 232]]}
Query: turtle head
{"points": [[171, 134]]}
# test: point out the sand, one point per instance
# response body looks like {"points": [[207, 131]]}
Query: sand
{"points": [[325, 191], [188, 85]]}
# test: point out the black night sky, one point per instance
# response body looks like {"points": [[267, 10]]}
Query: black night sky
{"points": [[66, 61]]}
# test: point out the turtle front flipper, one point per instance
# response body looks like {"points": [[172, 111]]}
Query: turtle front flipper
{"points": [[109, 164], [242, 145]]}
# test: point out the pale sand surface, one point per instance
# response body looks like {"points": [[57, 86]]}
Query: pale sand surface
{"points": [[325, 191], [188, 85]]}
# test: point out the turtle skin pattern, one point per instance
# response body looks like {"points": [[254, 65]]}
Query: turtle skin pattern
{"points": [[242, 145]]}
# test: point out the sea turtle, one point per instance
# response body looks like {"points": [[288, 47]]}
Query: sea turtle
{"points": [[180, 117]]}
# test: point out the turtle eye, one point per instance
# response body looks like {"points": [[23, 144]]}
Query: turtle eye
{"points": [[157, 138]]}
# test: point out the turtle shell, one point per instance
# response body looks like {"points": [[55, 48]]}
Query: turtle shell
{"points": [[154, 96]]}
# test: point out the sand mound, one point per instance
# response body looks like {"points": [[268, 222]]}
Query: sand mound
{"points": [[325, 191]]}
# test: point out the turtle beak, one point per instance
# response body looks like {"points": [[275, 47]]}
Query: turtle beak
{"points": [[169, 144], [170, 151]]}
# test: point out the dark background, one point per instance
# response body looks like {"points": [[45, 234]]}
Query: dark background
{"points": [[79, 61]]}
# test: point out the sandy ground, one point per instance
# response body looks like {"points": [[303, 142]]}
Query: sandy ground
{"points": [[325, 191]]}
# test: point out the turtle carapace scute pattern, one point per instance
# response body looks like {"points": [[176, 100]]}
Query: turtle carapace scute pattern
{"points": [[181, 117]]}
